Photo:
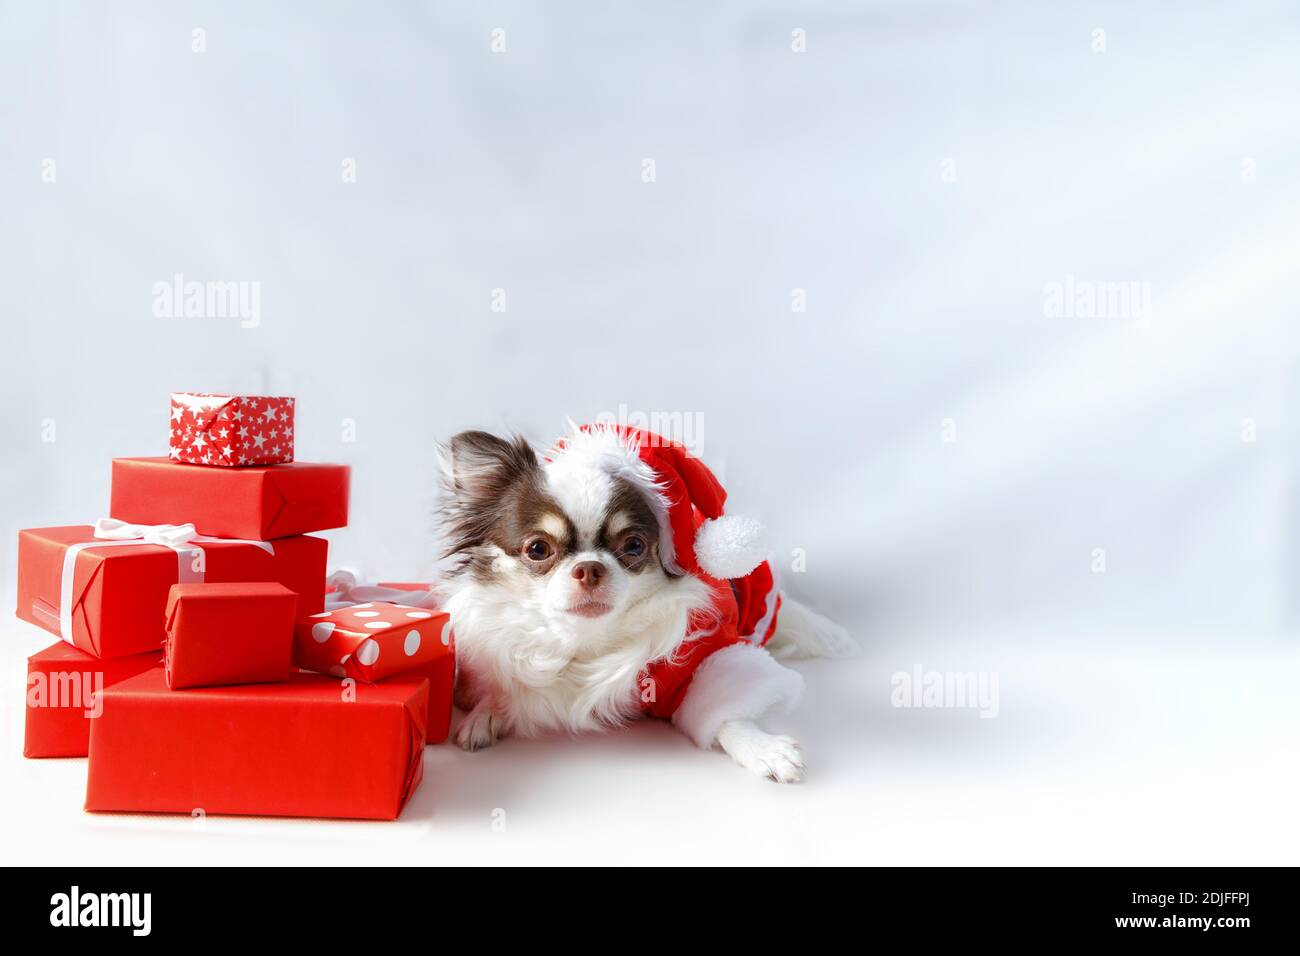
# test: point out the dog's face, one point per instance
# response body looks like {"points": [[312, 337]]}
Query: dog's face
{"points": [[568, 535]]}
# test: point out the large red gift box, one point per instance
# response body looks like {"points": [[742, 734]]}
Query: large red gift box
{"points": [[369, 642], [238, 633], [117, 590], [310, 747], [257, 503], [231, 430], [65, 693]]}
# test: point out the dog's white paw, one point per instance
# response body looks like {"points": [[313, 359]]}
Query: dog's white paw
{"points": [[481, 728], [778, 758], [774, 756]]}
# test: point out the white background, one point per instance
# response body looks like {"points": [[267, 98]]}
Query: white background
{"points": [[1145, 712]]}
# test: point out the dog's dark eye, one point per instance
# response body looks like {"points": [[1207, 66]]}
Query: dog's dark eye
{"points": [[633, 546], [537, 550]]}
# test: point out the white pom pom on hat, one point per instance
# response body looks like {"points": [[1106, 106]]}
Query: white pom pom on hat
{"points": [[730, 546]]}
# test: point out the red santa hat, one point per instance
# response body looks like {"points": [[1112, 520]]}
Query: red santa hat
{"points": [[694, 535]]}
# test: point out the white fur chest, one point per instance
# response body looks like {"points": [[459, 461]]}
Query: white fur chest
{"points": [[544, 674]]}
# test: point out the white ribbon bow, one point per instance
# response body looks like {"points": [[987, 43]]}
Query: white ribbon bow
{"points": [[110, 532], [168, 535]]}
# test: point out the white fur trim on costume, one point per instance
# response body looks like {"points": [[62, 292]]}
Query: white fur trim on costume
{"points": [[740, 681], [730, 546]]}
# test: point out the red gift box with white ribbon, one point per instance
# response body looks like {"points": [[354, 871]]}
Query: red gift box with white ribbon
{"points": [[104, 588]]}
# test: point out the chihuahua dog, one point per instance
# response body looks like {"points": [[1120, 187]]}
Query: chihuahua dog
{"points": [[581, 597]]}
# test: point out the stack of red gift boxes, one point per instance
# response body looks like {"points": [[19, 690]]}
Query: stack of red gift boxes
{"points": [[198, 667]]}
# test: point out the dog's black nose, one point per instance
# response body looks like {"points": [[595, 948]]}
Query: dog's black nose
{"points": [[589, 573]]}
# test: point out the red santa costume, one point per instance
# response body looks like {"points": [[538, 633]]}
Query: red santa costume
{"points": [[722, 672]]}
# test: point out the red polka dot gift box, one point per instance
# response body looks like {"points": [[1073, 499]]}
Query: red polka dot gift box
{"points": [[376, 641], [231, 430], [369, 642]]}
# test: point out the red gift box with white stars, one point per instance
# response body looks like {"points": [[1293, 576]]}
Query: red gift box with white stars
{"points": [[231, 430]]}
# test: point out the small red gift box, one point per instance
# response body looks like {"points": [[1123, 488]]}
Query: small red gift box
{"points": [[239, 633], [231, 430], [369, 642], [309, 747], [65, 693], [258, 503], [108, 597]]}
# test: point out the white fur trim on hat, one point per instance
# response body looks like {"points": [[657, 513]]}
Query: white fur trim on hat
{"points": [[738, 682], [730, 546]]}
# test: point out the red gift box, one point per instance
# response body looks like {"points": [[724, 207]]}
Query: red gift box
{"points": [[116, 591], [239, 633], [441, 672], [369, 642], [310, 747], [258, 503], [65, 692], [231, 430]]}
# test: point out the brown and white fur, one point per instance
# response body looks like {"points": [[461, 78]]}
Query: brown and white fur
{"points": [[559, 599]]}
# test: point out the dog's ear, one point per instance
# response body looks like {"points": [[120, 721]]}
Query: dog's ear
{"points": [[480, 466], [478, 470]]}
